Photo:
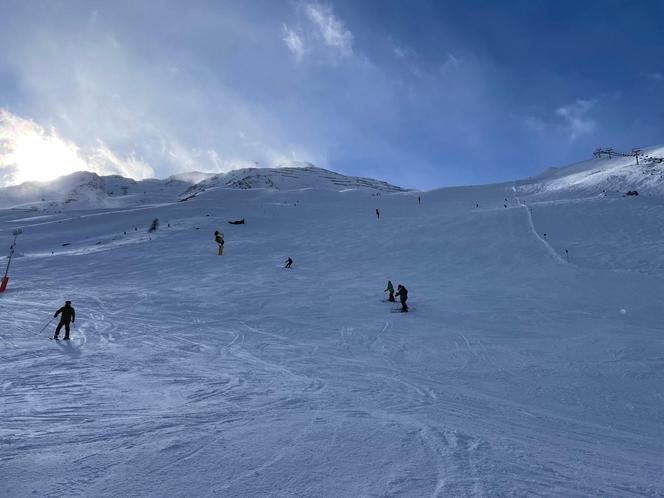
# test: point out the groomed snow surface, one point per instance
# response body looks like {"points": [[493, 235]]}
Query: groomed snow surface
{"points": [[192, 375]]}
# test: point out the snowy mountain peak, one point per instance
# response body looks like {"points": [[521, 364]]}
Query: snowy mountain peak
{"points": [[291, 177], [608, 173], [88, 189]]}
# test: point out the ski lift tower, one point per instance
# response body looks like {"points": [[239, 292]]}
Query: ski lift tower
{"points": [[636, 152], [5, 279]]}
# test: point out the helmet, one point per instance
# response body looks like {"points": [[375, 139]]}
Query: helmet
{"points": [[67, 302]]}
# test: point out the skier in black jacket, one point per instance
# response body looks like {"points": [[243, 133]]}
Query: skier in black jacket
{"points": [[403, 297], [67, 316]]}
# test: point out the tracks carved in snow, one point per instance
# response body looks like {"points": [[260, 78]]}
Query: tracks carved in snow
{"points": [[529, 214]]}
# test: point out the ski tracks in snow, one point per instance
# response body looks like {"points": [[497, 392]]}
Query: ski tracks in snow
{"points": [[458, 460], [274, 458], [529, 214]]}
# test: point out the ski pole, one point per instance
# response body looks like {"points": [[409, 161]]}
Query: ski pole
{"points": [[44, 327]]}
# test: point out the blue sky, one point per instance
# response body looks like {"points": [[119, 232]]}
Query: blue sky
{"points": [[419, 93]]}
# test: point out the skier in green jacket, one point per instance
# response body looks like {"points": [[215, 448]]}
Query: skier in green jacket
{"points": [[390, 289]]}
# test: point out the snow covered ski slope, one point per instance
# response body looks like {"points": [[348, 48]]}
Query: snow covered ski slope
{"points": [[520, 373]]}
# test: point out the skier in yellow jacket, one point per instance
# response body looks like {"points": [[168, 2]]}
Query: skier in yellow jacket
{"points": [[219, 239]]}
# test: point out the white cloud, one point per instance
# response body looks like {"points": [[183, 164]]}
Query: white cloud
{"points": [[31, 152], [149, 110], [319, 32], [451, 62], [400, 51], [104, 161], [657, 76], [576, 118], [294, 42], [331, 28]]}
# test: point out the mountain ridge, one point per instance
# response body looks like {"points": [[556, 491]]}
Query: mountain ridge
{"points": [[90, 189], [600, 175], [597, 176], [305, 175]]}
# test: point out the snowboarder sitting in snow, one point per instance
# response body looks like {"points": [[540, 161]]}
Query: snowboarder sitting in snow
{"points": [[403, 297], [67, 316], [237, 222], [289, 262], [390, 289], [219, 239]]}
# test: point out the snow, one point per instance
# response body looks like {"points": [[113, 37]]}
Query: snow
{"points": [[601, 177], [188, 374], [293, 177], [86, 190]]}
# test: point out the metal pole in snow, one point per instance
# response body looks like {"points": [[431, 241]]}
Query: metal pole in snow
{"points": [[9, 259], [5, 278]]}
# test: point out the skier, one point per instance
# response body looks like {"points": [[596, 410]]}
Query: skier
{"points": [[289, 262], [390, 289], [67, 316], [419, 200], [219, 238], [377, 214], [403, 297]]}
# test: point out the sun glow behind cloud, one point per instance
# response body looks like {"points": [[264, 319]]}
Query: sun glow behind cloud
{"points": [[29, 152]]}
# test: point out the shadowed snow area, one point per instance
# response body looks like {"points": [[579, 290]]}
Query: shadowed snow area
{"points": [[518, 372]]}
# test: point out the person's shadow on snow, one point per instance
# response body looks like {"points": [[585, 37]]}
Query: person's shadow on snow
{"points": [[69, 349]]}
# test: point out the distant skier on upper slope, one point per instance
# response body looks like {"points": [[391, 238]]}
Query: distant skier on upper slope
{"points": [[289, 262]]}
